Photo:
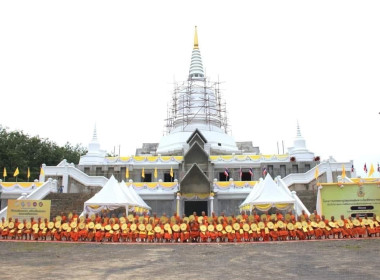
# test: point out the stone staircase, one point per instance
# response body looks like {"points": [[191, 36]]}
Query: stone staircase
{"points": [[67, 202]]}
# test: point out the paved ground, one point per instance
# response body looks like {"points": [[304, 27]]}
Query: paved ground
{"points": [[337, 259]]}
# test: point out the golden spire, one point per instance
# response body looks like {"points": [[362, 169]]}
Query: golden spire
{"points": [[196, 39]]}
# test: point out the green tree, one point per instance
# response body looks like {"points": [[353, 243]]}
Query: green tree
{"points": [[18, 149]]}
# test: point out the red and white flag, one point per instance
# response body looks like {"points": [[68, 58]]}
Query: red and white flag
{"points": [[250, 171], [226, 172], [265, 171]]}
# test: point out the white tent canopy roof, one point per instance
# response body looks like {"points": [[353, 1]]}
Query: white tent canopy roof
{"points": [[130, 192], [268, 192], [111, 196]]}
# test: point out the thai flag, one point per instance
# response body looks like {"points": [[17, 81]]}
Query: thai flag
{"points": [[265, 171], [365, 168], [226, 172], [378, 168], [352, 168], [250, 171]]}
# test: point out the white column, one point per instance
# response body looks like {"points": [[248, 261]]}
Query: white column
{"points": [[295, 204], [42, 176], [211, 204], [178, 208], [65, 179], [329, 176]]}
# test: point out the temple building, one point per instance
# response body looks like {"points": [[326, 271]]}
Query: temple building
{"points": [[197, 165]]}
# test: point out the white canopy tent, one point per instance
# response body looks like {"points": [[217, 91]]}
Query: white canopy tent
{"points": [[267, 194], [110, 197], [130, 192]]}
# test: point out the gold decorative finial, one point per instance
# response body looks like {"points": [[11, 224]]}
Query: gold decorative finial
{"points": [[195, 39]]}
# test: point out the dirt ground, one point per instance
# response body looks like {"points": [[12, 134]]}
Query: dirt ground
{"points": [[336, 259]]}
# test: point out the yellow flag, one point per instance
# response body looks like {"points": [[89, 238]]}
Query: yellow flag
{"points": [[28, 175], [316, 173], [171, 172], [127, 173], [343, 172], [155, 173], [42, 172], [371, 171], [16, 172], [5, 172], [143, 173]]}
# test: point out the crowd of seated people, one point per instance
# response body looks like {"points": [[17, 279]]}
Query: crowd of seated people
{"points": [[245, 227]]}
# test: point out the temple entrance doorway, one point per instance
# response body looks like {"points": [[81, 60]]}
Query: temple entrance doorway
{"points": [[195, 206]]}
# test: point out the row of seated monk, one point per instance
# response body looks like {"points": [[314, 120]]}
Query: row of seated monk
{"points": [[246, 227]]}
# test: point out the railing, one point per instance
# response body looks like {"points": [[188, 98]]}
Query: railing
{"points": [[39, 193], [324, 167], [76, 174]]}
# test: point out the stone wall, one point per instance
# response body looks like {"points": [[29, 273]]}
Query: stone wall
{"points": [[67, 202], [162, 206], [309, 199], [228, 206]]}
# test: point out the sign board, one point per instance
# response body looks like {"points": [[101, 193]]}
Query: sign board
{"points": [[349, 200], [25, 209]]}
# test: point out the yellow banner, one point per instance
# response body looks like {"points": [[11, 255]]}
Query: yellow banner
{"points": [[25, 209], [349, 200]]}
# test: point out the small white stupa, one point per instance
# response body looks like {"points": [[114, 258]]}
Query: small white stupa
{"points": [[94, 155], [299, 150]]}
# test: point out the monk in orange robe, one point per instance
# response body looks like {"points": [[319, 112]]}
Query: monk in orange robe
{"points": [[223, 234], [185, 234], [377, 225], [143, 234], [299, 231], [98, 219], [244, 216], [74, 235], [256, 217], [83, 234], [64, 218], [194, 231], [203, 236], [292, 233], [12, 231], [58, 235], [214, 217], [167, 235], [91, 235], [316, 216], [346, 231], [176, 234], [273, 233], [19, 233], [282, 232], [304, 214], [371, 230], [231, 235], [318, 231], [279, 216], [239, 233]]}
